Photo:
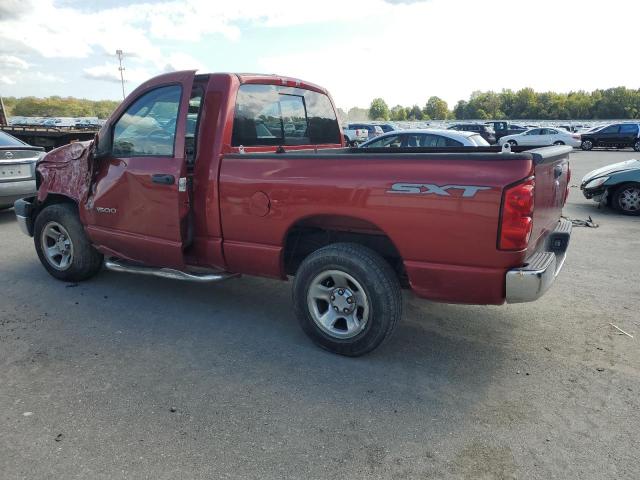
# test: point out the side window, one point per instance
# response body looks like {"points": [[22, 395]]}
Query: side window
{"points": [[629, 128], [450, 142], [148, 126], [274, 115], [610, 129], [390, 141], [535, 131]]}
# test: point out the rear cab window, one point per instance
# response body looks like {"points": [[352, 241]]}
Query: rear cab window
{"points": [[267, 115]]}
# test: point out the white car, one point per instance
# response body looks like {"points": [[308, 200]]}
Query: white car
{"points": [[428, 137], [543, 136]]}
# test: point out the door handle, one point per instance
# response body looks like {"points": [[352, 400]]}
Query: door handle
{"points": [[163, 179]]}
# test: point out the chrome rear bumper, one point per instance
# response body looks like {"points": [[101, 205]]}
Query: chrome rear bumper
{"points": [[530, 282]]}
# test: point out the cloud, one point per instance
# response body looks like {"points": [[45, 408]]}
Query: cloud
{"points": [[48, 77], [109, 72], [11, 62], [6, 80]]}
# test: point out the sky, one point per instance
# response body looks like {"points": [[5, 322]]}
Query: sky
{"points": [[401, 50]]}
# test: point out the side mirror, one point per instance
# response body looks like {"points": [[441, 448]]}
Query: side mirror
{"points": [[102, 142]]}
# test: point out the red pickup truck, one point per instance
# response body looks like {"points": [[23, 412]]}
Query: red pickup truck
{"points": [[205, 177]]}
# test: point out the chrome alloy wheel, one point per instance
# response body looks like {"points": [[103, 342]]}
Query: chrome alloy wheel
{"points": [[57, 246], [338, 304], [629, 199]]}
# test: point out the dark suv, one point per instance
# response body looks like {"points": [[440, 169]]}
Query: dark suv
{"points": [[617, 135], [485, 131]]}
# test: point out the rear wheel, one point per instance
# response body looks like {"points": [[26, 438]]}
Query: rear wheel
{"points": [[586, 145], [559, 142], [347, 298], [636, 146], [513, 143], [626, 199], [62, 246]]}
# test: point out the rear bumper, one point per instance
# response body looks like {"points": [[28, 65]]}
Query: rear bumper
{"points": [[530, 282], [24, 209], [12, 191]]}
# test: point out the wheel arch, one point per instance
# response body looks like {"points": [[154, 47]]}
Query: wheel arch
{"points": [[308, 234]]}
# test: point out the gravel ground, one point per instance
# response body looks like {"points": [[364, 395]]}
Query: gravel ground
{"points": [[130, 377]]}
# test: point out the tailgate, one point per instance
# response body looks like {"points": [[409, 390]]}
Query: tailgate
{"points": [[552, 177]]}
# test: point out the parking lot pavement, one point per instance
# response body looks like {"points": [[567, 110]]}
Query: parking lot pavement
{"points": [[90, 374]]}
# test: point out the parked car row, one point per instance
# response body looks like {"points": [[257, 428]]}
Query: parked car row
{"points": [[57, 122]]}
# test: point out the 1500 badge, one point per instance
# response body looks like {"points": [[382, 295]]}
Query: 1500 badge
{"points": [[468, 191]]}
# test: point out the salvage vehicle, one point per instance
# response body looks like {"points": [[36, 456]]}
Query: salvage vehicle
{"points": [[354, 136], [616, 185], [485, 131], [231, 193], [502, 129], [17, 169], [617, 135], [542, 136], [426, 137]]}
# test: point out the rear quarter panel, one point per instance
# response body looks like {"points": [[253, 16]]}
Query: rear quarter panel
{"points": [[440, 238]]}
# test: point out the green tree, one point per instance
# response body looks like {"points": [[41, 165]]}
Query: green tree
{"points": [[415, 113], [398, 113], [357, 114], [379, 110], [436, 109]]}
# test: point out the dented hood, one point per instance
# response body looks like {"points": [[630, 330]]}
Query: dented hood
{"points": [[67, 153]]}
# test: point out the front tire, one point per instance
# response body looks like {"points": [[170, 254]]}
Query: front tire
{"points": [[558, 143], [586, 145], [347, 298], [636, 146], [62, 245], [513, 143], [626, 199]]}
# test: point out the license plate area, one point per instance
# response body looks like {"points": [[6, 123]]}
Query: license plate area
{"points": [[15, 171]]}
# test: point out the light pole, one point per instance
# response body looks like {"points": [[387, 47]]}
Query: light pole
{"points": [[121, 68]]}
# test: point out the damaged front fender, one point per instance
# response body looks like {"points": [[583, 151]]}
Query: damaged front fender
{"points": [[66, 171]]}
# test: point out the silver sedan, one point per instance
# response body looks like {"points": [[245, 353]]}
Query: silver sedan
{"points": [[430, 138]]}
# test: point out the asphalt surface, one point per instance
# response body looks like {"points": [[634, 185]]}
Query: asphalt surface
{"points": [[90, 374]]}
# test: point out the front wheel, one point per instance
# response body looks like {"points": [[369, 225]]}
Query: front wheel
{"points": [[513, 143], [586, 145], [347, 298], [62, 246], [558, 143], [626, 199], [636, 146]]}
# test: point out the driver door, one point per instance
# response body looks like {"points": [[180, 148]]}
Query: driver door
{"points": [[139, 204]]}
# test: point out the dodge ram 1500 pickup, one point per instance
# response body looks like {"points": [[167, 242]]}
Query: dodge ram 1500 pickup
{"points": [[205, 177]]}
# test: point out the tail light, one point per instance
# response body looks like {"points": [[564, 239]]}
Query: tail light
{"points": [[516, 221], [576, 136]]}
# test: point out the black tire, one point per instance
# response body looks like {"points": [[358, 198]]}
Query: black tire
{"points": [[636, 146], [513, 143], [586, 145], [558, 143], [381, 288], [85, 261], [347, 143], [618, 202]]}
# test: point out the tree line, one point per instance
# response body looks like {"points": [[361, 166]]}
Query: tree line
{"points": [[612, 103], [58, 107]]}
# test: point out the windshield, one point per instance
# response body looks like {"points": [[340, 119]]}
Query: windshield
{"points": [[7, 140]]}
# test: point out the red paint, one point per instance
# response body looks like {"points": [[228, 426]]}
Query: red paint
{"points": [[243, 206]]}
